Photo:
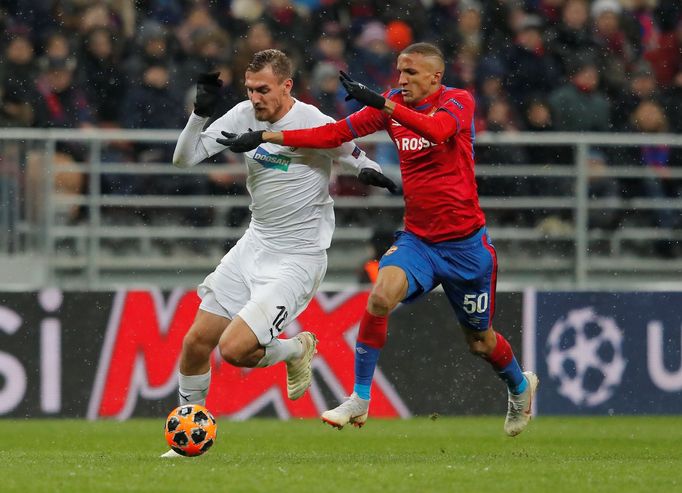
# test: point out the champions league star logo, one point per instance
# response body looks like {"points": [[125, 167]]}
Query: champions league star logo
{"points": [[585, 356]]}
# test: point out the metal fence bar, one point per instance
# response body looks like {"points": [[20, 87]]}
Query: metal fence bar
{"points": [[49, 213], [94, 216], [581, 218]]}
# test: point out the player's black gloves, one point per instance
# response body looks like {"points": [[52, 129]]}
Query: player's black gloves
{"points": [[208, 94], [361, 92], [369, 176], [242, 142]]}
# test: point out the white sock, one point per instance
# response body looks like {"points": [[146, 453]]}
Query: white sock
{"points": [[281, 350], [193, 388]]}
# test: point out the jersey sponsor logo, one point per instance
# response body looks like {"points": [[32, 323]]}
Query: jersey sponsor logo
{"points": [[272, 161], [395, 124], [413, 143]]}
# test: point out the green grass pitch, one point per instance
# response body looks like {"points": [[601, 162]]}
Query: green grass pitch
{"points": [[465, 454]]}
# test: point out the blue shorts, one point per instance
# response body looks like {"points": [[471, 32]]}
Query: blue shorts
{"points": [[467, 270]]}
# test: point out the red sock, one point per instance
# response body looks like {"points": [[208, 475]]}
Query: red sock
{"points": [[502, 355], [508, 369], [373, 330]]}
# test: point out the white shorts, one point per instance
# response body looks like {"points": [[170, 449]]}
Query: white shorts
{"points": [[265, 289]]}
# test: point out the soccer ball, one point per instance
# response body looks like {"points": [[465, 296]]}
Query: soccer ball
{"points": [[190, 430]]}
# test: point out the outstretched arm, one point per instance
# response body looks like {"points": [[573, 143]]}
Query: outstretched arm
{"points": [[363, 122]]}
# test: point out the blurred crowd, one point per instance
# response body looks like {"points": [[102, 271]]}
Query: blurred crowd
{"points": [[536, 65]]}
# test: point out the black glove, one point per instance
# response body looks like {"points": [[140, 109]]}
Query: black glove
{"points": [[368, 176], [361, 92], [208, 94], [242, 142]]}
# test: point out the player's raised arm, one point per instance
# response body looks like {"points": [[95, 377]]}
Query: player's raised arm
{"points": [[189, 149]]}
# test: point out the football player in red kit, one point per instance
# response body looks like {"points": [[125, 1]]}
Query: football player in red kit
{"points": [[445, 241]]}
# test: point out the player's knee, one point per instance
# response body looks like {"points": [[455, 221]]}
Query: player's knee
{"points": [[479, 347], [232, 353], [378, 303]]}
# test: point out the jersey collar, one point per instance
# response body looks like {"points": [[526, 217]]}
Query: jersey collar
{"points": [[428, 102]]}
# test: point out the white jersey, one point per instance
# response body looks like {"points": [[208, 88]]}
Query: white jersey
{"points": [[291, 210]]}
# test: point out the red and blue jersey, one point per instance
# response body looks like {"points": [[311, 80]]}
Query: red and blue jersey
{"points": [[435, 140]]}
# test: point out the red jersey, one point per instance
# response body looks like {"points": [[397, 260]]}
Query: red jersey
{"points": [[435, 140]]}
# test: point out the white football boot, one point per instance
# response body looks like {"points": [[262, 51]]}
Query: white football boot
{"points": [[300, 371], [519, 409], [171, 454], [353, 411]]}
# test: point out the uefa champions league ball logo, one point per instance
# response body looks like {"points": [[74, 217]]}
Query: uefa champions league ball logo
{"points": [[584, 354]]}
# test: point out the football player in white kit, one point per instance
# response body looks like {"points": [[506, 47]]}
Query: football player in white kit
{"points": [[274, 270]]}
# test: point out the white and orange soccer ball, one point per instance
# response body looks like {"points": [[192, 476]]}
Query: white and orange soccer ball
{"points": [[190, 430]]}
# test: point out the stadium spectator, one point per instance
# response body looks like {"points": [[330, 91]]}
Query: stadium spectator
{"points": [[641, 86], [326, 90], [373, 57], [445, 241], [490, 74], [572, 36], [641, 14], [649, 117], [208, 48], [19, 68], [667, 56], [615, 49], [101, 76], [271, 275], [287, 25], [579, 105], [442, 15], [151, 46], [15, 108], [531, 70], [61, 99], [462, 70], [258, 38], [61, 103], [469, 23], [500, 117], [550, 10], [330, 47], [538, 118], [154, 105]]}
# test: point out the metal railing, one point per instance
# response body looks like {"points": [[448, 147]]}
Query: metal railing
{"points": [[37, 247]]}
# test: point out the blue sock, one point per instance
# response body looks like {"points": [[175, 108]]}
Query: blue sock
{"points": [[513, 377], [366, 358]]}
